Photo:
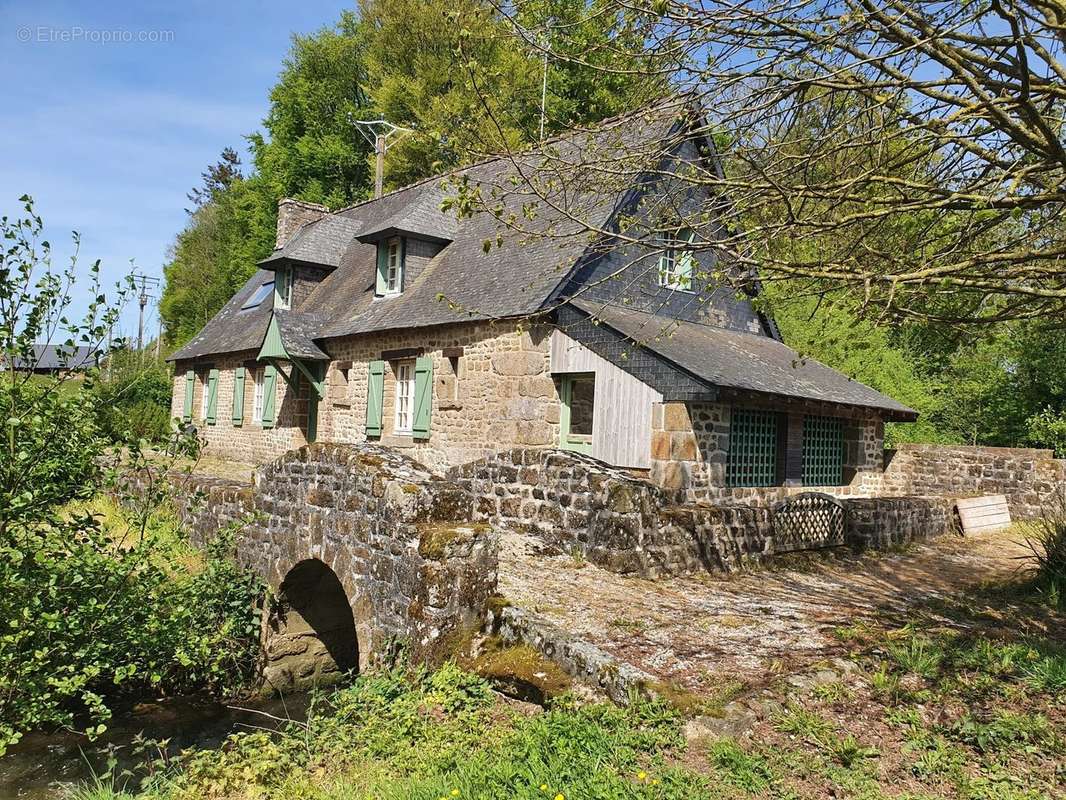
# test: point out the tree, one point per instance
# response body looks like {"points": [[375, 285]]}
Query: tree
{"points": [[932, 130], [455, 73], [216, 178]]}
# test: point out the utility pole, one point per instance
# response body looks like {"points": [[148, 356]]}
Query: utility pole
{"points": [[142, 301], [382, 134]]}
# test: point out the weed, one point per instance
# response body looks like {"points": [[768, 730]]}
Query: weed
{"points": [[631, 625], [744, 770], [916, 654], [847, 751]]}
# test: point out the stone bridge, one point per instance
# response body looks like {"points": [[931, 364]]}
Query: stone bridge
{"points": [[367, 555]]}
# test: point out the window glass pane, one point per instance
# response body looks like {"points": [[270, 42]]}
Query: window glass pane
{"points": [[393, 277], [582, 399], [405, 392], [257, 399], [259, 295]]}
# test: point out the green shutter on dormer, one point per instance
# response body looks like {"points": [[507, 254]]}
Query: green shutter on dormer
{"points": [[423, 410], [238, 397], [190, 382], [383, 268], [375, 389], [403, 264], [270, 378], [212, 397]]}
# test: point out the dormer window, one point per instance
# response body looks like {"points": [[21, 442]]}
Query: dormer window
{"points": [[390, 266], [676, 265], [283, 288]]}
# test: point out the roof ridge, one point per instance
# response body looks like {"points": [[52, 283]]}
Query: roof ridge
{"points": [[599, 125]]}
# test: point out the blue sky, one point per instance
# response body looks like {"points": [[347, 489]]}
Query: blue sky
{"points": [[109, 136]]}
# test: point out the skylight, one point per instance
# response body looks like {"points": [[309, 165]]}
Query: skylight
{"points": [[260, 294]]}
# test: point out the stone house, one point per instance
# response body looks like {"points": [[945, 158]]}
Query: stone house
{"points": [[453, 336]]}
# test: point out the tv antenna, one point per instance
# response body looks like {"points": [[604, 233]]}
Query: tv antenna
{"points": [[383, 135]]}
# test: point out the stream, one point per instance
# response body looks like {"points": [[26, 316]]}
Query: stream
{"points": [[50, 765]]}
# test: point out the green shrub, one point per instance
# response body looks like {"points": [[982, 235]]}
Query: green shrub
{"points": [[1046, 540], [132, 398], [93, 613]]}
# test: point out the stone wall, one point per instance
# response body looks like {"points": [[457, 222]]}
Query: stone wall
{"points": [[690, 447], [416, 568], [1029, 478], [498, 393], [626, 524], [250, 441]]}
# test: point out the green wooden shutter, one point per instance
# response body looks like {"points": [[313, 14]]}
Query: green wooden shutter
{"points": [[403, 264], [823, 451], [212, 397], [270, 378], [190, 382], [383, 267], [752, 458], [375, 389], [423, 410], [238, 397]]}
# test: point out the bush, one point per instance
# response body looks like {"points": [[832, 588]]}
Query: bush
{"points": [[97, 607], [1046, 540], [132, 399], [1048, 429]]}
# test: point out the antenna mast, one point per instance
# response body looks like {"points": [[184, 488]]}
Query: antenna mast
{"points": [[382, 134]]}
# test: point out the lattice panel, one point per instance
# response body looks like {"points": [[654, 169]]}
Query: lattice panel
{"points": [[752, 448], [823, 451], [808, 521]]}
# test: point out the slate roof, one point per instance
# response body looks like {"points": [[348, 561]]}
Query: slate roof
{"points": [[464, 281], [57, 357], [323, 243], [738, 360], [298, 332]]}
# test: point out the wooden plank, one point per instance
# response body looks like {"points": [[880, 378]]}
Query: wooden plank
{"points": [[986, 513], [621, 425]]}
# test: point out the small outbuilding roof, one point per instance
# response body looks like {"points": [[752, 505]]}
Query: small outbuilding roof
{"points": [[57, 357], [737, 360]]}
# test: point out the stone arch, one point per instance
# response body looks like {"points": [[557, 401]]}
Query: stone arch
{"points": [[311, 637]]}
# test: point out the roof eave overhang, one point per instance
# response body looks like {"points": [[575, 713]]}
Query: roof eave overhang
{"points": [[375, 236], [272, 262]]}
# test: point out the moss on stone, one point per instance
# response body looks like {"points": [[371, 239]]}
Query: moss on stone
{"points": [[497, 603], [522, 672], [433, 539], [687, 703]]}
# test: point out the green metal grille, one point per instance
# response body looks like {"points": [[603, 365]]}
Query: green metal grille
{"points": [[823, 451], [752, 449]]}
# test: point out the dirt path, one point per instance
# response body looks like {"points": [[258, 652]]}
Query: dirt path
{"points": [[703, 631]]}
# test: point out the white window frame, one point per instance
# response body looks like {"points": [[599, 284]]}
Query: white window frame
{"points": [[206, 393], [669, 276], [404, 414], [259, 380], [393, 266]]}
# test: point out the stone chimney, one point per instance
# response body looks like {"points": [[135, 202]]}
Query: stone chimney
{"points": [[292, 214]]}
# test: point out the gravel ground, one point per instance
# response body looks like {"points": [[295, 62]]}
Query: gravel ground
{"points": [[704, 631]]}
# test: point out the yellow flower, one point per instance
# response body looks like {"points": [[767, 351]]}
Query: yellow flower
{"points": [[559, 797], [544, 787], [455, 792], [642, 775]]}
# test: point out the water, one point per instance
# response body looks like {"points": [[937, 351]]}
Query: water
{"points": [[49, 765]]}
